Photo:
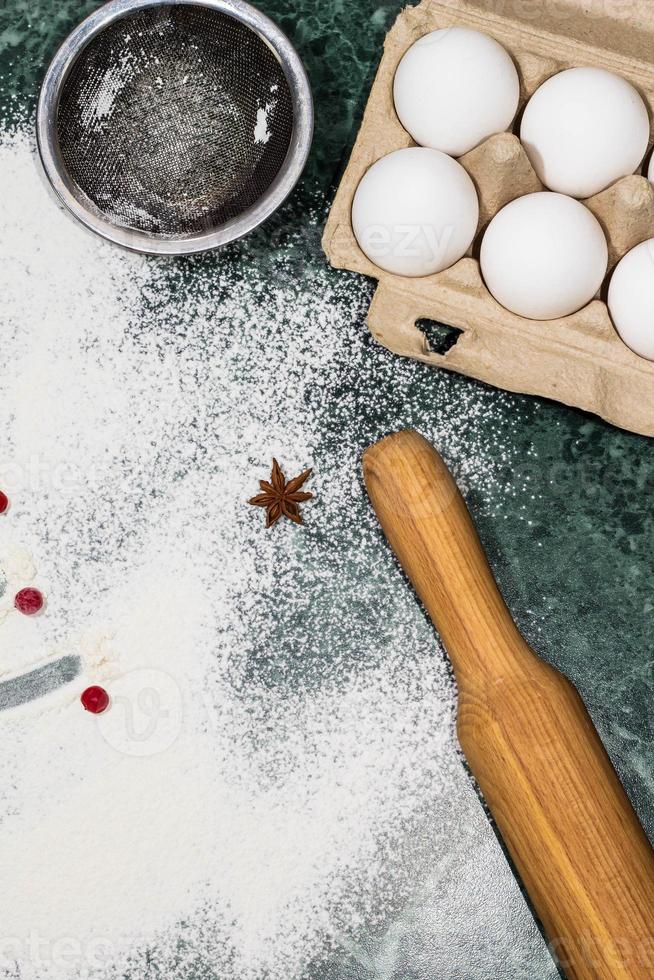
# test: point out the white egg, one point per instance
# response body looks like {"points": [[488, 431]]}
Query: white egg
{"points": [[544, 256], [415, 212], [583, 129], [454, 88], [631, 299]]}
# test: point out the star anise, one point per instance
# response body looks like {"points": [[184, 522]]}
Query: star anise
{"points": [[281, 498]]}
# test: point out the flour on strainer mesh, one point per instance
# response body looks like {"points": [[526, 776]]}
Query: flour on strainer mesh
{"points": [[281, 726]]}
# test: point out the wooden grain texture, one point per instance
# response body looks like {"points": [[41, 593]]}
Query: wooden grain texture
{"points": [[566, 820]]}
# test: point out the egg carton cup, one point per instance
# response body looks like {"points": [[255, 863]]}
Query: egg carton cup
{"points": [[579, 360]]}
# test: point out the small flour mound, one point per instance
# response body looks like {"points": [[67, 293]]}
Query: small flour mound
{"points": [[261, 130], [280, 729]]}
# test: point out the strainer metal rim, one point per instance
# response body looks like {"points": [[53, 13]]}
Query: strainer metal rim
{"points": [[82, 208]]}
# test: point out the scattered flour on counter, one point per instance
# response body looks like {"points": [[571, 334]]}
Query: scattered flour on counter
{"points": [[281, 722], [18, 567], [17, 570]]}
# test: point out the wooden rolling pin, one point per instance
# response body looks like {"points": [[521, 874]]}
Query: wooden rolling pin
{"points": [[569, 827]]}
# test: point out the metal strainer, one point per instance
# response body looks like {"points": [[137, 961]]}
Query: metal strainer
{"points": [[174, 127]]}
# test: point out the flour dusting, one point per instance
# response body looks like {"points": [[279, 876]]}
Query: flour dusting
{"points": [[261, 128], [100, 102], [262, 791], [174, 120]]}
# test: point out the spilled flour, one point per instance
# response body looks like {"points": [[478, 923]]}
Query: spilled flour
{"points": [[262, 792]]}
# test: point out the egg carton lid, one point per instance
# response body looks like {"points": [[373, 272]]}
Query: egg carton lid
{"points": [[626, 28]]}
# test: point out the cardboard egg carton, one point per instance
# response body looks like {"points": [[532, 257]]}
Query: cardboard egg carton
{"points": [[579, 360]]}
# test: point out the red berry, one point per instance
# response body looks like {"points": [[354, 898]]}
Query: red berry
{"points": [[29, 601], [95, 699], [4, 502]]}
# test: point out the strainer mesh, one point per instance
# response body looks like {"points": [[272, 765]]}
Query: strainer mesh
{"points": [[174, 120]]}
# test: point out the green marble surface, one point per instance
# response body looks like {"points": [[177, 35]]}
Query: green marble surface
{"points": [[571, 537]]}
